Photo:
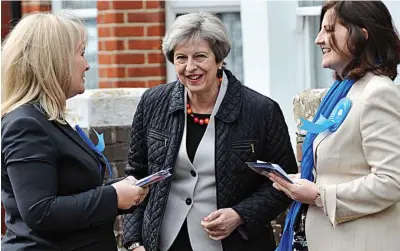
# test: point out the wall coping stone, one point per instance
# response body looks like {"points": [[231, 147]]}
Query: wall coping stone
{"points": [[104, 107]]}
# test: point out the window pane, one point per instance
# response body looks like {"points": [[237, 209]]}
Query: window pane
{"points": [[91, 54], [311, 3], [79, 4], [234, 60], [322, 77]]}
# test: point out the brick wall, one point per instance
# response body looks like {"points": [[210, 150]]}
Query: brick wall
{"points": [[130, 35], [30, 6], [5, 18]]}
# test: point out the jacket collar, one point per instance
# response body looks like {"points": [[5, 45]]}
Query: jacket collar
{"points": [[230, 106]]}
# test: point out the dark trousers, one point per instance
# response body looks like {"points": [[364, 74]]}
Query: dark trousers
{"points": [[182, 241]]}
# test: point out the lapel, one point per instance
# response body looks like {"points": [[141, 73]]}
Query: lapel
{"points": [[353, 94], [73, 135]]}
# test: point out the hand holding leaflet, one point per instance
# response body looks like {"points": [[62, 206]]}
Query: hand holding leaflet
{"points": [[264, 168], [153, 178]]}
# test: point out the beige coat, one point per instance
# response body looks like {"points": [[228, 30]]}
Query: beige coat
{"points": [[358, 170]]}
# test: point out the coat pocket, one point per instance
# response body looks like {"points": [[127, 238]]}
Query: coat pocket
{"points": [[242, 151], [157, 145]]}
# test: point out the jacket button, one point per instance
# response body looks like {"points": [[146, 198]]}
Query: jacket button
{"points": [[193, 173], [188, 201]]}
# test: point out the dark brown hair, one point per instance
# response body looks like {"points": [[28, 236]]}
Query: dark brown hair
{"points": [[380, 52]]}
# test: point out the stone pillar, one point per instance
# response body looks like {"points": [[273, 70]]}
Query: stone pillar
{"points": [[305, 105], [130, 34]]}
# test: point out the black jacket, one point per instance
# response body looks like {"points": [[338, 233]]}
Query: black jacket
{"points": [[51, 187], [249, 127]]}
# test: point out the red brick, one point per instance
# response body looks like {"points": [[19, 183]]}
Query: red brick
{"points": [[129, 58], [113, 45], [105, 59], [143, 17], [6, 12], [129, 31], [144, 44], [126, 84], [103, 5], [103, 72], [154, 4], [25, 8], [105, 84], [157, 30], [110, 18], [156, 57], [127, 5], [104, 31], [146, 71], [152, 83], [116, 72]]}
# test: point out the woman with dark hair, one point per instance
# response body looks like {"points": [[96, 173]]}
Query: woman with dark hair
{"points": [[349, 189]]}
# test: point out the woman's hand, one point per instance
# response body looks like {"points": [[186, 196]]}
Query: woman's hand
{"points": [[140, 248], [302, 190], [221, 223], [128, 194]]}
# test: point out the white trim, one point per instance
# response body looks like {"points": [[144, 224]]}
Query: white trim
{"points": [[256, 46], [56, 6], [172, 8], [308, 11]]}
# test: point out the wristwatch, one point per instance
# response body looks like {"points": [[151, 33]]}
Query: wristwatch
{"points": [[134, 245], [318, 200]]}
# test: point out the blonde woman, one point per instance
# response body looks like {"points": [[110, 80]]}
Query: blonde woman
{"points": [[51, 178]]}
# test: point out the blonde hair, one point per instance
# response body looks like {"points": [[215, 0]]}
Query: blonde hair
{"points": [[37, 62]]}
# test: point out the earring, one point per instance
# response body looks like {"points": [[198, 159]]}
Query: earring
{"points": [[219, 73]]}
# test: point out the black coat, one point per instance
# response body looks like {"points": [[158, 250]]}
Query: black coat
{"points": [[51, 187], [249, 127]]}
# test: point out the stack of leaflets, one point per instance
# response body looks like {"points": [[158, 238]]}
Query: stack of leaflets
{"points": [[155, 177], [264, 168]]}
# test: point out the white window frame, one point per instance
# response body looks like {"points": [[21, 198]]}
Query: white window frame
{"points": [[303, 26], [56, 6], [173, 8]]}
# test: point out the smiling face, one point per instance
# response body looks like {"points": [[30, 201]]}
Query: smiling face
{"points": [[334, 57], [196, 66], [78, 76]]}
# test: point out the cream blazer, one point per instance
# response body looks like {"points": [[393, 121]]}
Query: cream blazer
{"points": [[358, 171]]}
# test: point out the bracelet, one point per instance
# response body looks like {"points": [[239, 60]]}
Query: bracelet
{"points": [[134, 245]]}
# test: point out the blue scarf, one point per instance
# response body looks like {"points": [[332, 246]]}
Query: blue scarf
{"points": [[336, 92]]}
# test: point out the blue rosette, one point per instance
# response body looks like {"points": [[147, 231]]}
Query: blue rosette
{"points": [[333, 122]]}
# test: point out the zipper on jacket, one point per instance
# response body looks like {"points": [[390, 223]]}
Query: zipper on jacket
{"points": [[157, 135], [169, 186]]}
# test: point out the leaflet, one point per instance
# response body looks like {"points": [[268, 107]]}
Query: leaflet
{"points": [[153, 178], [263, 168]]}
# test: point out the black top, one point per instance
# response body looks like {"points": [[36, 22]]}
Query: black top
{"points": [[194, 134]]}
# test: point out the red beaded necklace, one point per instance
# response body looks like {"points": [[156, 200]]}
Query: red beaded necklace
{"points": [[196, 119]]}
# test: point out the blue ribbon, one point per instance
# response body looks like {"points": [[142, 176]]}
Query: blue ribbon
{"points": [[98, 149], [333, 122]]}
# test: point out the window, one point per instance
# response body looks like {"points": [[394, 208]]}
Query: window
{"points": [[229, 13], [314, 75], [87, 11]]}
